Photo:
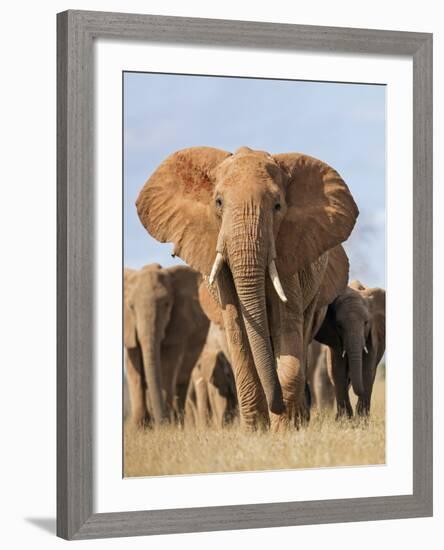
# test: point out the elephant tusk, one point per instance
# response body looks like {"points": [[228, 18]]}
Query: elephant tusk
{"points": [[343, 353], [365, 349], [276, 281], [216, 267]]}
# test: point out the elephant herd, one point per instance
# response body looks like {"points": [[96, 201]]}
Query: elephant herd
{"points": [[262, 321]]}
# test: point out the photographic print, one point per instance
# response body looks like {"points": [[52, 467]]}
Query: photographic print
{"points": [[254, 274], [224, 242]]}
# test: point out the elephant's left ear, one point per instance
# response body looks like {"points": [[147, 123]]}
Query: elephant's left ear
{"points": [[335, 277], [321, 212], [376, 298]]}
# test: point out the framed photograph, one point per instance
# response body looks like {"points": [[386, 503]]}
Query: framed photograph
{"points": [[244, 275]]}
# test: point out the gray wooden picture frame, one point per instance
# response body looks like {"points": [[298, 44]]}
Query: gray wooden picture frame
{"points": [[76, 32]]}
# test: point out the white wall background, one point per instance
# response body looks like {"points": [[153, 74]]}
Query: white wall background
{"points": [[27, 217]]}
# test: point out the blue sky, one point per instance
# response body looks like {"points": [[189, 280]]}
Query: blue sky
{"points": [[341, 124]]}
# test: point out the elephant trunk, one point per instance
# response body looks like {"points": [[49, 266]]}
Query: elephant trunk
{"points": [[151, 363], [354, 354], [248, 256]]}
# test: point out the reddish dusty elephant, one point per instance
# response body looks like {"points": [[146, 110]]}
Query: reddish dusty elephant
{"points": [[265, 231]]}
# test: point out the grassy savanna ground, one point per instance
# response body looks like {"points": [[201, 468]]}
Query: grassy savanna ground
{"points": [[324, 442]]}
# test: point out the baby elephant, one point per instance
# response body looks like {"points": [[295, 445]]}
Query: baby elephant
{"points": [[354, 330], [211, 396]]}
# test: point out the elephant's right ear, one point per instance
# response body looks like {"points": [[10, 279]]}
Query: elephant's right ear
{"points": [[175, 205]]}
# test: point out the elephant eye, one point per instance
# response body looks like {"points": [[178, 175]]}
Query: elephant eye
{"points": [[277, 207], [219, 202]]}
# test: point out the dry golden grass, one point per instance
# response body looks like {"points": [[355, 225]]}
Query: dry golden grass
{"points": [[324, 442]]}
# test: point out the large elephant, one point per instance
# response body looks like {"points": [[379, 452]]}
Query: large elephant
{"points": [[354, 330], [238, 218], [211, 396], [164, 332]]}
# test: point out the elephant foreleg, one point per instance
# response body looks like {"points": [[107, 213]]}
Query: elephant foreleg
{"points": [[368, 379], [190, 413], [291, 374], [338, 368], [363, 404], [172, 359], [289, 349], [324, 388], [202, 402], [287, 329], [136, 386], [218, 405]]}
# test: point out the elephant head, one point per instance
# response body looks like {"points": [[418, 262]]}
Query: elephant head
{"points": [[148, 302], [258, 215], [355, 328]]}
